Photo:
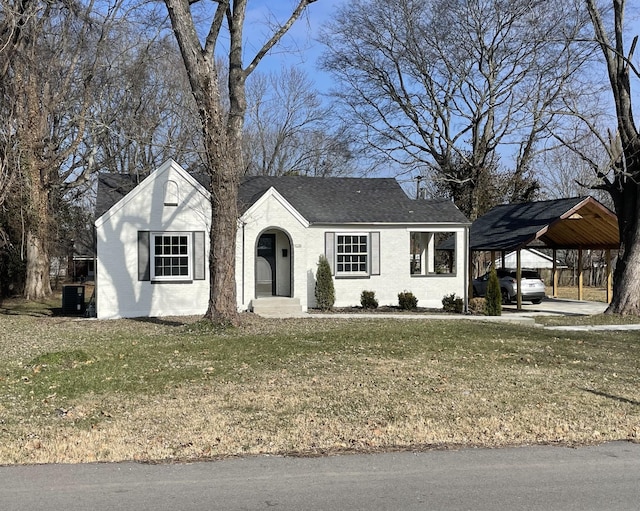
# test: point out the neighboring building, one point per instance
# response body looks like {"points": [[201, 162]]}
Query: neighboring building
{"points": [[529, 258], [153, 242]]}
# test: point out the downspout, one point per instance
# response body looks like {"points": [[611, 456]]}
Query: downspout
{"points": [[243, 258], [467, 272]]}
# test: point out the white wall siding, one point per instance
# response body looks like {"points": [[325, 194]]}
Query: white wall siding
{"points": [[119, 293], [272, 215], [169, 200], [395, 274]]}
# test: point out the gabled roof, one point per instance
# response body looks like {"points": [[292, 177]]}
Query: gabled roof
{"points": [[344, 200], [579, 222], [124, 189], [330, 200]]}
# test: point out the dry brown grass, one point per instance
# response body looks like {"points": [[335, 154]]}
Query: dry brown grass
{"points": [[80, 391], [591, 294]]}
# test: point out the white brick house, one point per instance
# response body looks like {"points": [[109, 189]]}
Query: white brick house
{"points": [[152, 242]]}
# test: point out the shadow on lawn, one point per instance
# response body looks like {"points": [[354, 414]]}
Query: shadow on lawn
{"points": [[610, 396], [159, 321]]}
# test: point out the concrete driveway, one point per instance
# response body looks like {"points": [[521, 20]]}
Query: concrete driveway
{"points": [[564, 307]]}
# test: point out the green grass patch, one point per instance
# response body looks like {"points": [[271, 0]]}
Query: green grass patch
{"points": [[179, 388]]}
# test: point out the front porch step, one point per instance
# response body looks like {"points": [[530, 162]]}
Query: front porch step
{"points": [[277, 307]]}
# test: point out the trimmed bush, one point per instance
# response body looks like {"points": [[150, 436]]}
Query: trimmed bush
{"points": [[325, 292], [494, 296], [407, 301], [368, 300], [477, 305], [451, 303]]}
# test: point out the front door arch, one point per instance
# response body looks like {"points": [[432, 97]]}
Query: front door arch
{"points": [[273, 264]]}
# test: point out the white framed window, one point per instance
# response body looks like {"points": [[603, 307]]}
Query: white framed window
{"points": [[352, 254], [171, 256]]}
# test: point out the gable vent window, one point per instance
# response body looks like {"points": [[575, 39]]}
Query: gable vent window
{"points": [[171, 193]]}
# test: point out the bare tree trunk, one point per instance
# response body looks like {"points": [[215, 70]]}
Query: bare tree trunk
{"points": [[624, 188], [626, 277], [37, 284], [36, 183], [222, 132], [222, 294]]}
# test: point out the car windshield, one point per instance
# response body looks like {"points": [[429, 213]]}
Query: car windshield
{"points": [[526, 274]]}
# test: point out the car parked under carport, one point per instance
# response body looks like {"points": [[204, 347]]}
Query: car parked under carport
{"points": [[533, 289]]}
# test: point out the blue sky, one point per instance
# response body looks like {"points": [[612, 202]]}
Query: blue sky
{"points": [[300, 46]]}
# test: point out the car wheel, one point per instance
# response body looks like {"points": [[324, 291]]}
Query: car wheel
{"points": [[475, 293], [506, 299], [536, 301]]}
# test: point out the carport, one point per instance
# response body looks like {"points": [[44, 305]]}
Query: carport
{"points": [[580, 223]]}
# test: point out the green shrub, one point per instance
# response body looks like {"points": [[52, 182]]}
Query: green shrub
{"points": [[407, 301], [325, 292], [494, 296], [451, 303], [368, 300]]}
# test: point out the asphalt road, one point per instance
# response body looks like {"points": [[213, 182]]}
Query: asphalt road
{"points": [[606, 477]]}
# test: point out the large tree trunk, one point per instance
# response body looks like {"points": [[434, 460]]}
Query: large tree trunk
{"points": [[624, 188], [222, 294], [37, 186], [222, 132], [37, 284], [626, 278]]}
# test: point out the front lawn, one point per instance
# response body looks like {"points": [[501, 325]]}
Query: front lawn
{"points": [[86, 390]]}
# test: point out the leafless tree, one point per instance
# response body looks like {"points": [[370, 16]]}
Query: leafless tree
{"points": [[620, 175], [49, 69], [287, 129], [451, 86], [143, 112], [222, 128]]}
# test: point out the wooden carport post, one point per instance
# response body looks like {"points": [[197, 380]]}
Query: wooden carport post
{"points": [[554, 275], [470, 271], [580, 290], [519, 277], [609, 277]]}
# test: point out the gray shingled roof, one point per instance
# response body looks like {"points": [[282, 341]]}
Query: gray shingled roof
{"points": [[512, 226], [111, 188], [332, 200], [339, 200]]}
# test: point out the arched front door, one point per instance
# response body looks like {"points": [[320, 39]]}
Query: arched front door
{"points": [[273, 264]]}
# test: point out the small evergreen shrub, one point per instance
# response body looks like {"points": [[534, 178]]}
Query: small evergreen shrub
{"points": [[451, 303], [325, 292], [407, 301], [493, 297], [477, 305], [368, 300]]}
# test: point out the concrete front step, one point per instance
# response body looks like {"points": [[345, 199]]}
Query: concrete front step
{"points": [[277, 307]]}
